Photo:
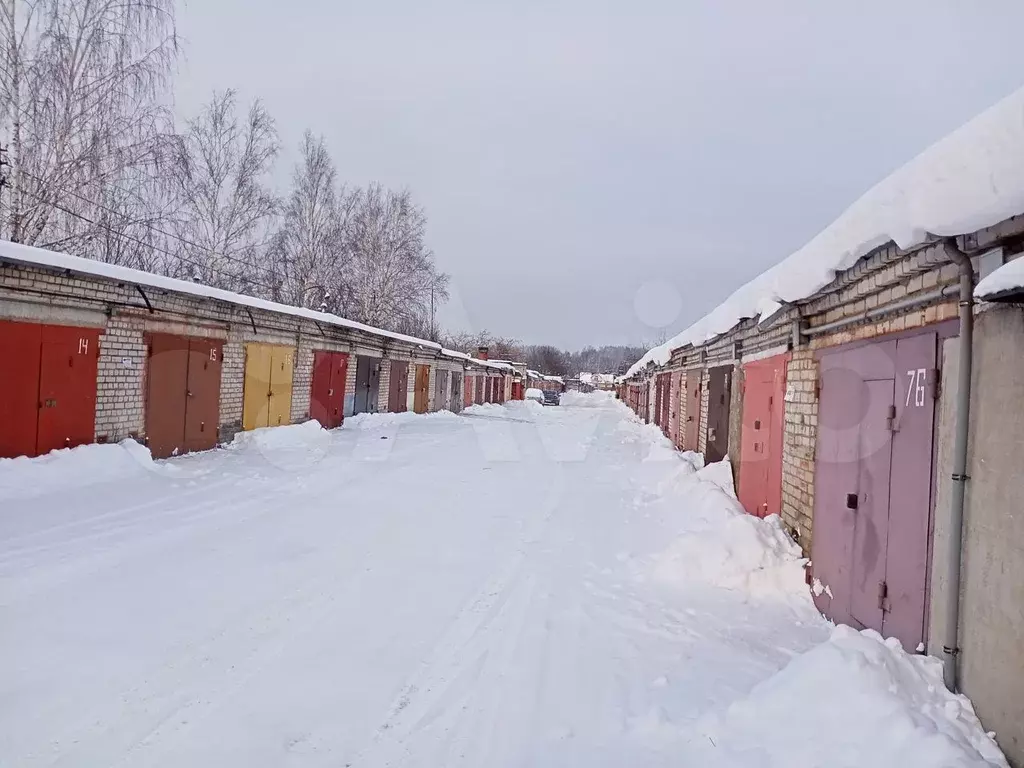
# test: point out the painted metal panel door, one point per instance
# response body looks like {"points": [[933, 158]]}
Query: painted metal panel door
{"points": [[479, 395], [256, 390], [68, 365], [202, 408], [841, 407], [719, 393], [421, 395], [367, 384], [761, 433], [870, 534], [910, 496], [456, 396], [692, 430], [398, 387], [282, 370], [19, 388], [166, 387], [320, 388]]}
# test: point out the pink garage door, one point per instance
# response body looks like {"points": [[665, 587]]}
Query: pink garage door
{"points": [[873, 468], [760, 485]]}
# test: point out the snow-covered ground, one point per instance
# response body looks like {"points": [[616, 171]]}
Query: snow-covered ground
{"points": [[515, 586]]}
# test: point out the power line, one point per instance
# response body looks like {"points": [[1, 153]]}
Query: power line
{"points": [[143, 243], [151, 227]]}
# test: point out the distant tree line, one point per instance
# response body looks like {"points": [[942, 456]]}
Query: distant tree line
{"points": [[95, 165], [546, 358]]}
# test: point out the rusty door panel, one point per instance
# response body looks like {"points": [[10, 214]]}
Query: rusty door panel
{"points": [[719, 392], [441, 381], [282, 370], [67, 387], [19, 388], [479, 395], [398, 387], [469, 382], [666, 394], [692, 430], [166, 386], [761, 433], [421, 394], [910, 500], [202, 407], [256, 390], [320, 388]]}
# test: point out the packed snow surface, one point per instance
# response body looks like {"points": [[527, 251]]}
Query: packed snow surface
{"points": [[1009, 277], [513, 586], [971, 179]]}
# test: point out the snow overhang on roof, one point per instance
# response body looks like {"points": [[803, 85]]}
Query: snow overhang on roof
{"points": [[38, 257], [1004, 284], [971, 179]]}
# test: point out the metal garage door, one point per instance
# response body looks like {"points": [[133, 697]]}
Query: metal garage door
{"points": [[719, 394], [421, 393], [327, 390], [398, 387], [692, 429], [48, 390], [760, 475], [871, 536], [367, 384]]}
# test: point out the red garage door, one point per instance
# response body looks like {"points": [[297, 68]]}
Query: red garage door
{"points": [[327, 390], [764, 389], [48, 390]]}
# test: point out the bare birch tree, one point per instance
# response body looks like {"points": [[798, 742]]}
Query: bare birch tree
{"points": [[393, 278], [310, 250], [226, 206], [82, 87]]}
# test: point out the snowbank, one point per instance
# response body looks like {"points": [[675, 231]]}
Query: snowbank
{"points": [[75, 467], [595, 399], [971, 179], [385, 420], [308, 435], [1009, 277], [860, 701], [719, 544]]}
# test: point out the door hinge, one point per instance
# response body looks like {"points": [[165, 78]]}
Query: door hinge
{"points": [[818, 386], [883, 594], [890, 421], [936, 383]]}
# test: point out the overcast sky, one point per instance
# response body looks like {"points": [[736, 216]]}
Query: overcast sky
{"points": [[607, 172]]}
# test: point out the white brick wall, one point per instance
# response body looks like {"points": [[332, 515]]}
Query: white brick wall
{"points": [[120, 381]]}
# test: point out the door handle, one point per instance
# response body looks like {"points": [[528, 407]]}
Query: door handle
{"points": [[852, 501]]}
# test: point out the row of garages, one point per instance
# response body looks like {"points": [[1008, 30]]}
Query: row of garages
{"points": [[840, 414], [100, 353]]}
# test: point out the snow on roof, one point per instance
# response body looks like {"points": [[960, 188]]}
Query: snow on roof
{"points": [[532, 373], [26, 254], [455, 354], [1002, 282], [552, 378], [971, 179]]}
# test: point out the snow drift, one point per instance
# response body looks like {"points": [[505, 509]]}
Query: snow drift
{"points": [[859, 700], [78, 467]]}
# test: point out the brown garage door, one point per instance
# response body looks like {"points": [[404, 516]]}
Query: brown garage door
{"points": [[692, 431], [182, 394], [719, 392], [398, 387]]}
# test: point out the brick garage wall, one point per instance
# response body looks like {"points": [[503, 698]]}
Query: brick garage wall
{"points": [[702, 435], [302, 381], [120, 381], [799, 434], [384, 383], [232, 387]]}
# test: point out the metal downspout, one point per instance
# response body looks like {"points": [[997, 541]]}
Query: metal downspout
{"points": [[950, 647]]}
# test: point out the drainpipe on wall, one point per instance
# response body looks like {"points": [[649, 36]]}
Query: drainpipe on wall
{"points": [[950, 647]]}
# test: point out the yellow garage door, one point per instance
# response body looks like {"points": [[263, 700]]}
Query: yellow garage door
{"points": [[282, 366], [256, 394]]}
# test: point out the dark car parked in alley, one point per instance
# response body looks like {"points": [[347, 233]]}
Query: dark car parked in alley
{"points": [[551, 397]]}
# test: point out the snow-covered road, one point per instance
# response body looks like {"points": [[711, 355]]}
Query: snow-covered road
{"points": [[516, 586]]}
